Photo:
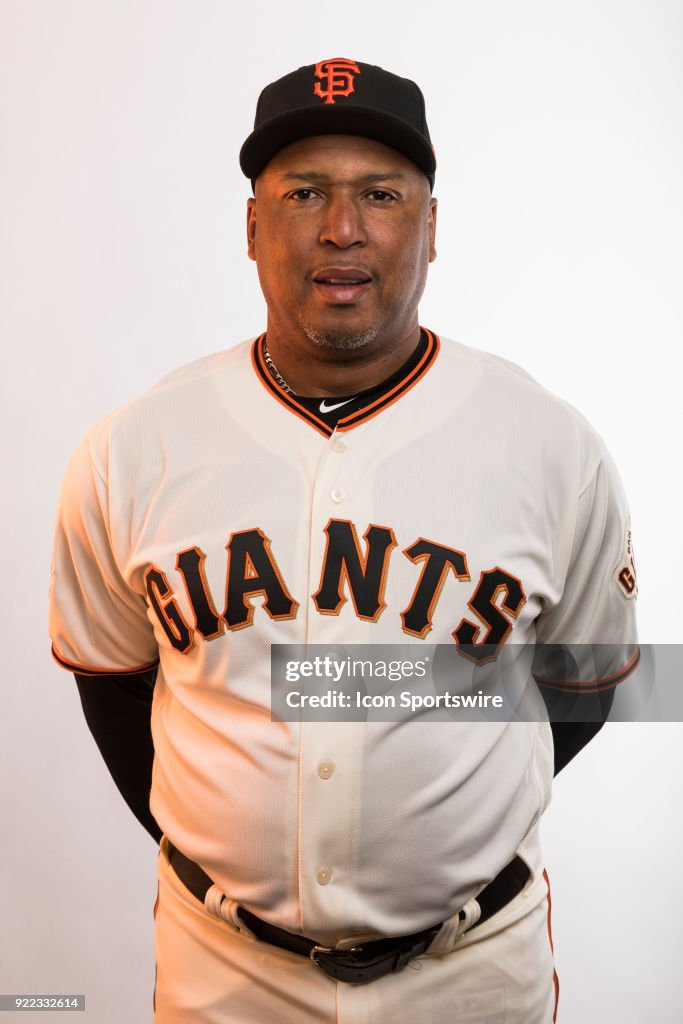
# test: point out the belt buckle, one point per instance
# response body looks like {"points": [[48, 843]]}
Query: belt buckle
{"points": [[341, 965], [319, 949], [371, 960]]}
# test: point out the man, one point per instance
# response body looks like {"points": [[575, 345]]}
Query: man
{"points": [[347, 477]]}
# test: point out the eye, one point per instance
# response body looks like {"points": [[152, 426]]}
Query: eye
{"points": [[302, 195], [380, 196]]}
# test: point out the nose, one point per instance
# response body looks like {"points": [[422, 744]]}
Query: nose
{"points": [[342, 223]]}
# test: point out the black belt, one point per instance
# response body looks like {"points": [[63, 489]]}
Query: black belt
{"points": [[369, 960]]}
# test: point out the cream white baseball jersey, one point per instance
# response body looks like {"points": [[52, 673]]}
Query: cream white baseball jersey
{"points": [[215, 516]]}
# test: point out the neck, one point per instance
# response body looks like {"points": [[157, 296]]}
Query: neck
{"points": [[314, 371]]}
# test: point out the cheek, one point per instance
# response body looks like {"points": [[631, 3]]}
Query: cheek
{"points": [[410, 259], [281, 274], [277, 257], [282, 233]]}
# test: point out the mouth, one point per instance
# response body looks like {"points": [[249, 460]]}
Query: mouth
{"points": [[341, 285]]}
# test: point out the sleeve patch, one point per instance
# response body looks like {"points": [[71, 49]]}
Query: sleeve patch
{"points": [[625, 575]]}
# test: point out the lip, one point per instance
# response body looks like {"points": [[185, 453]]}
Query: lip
{"points": [[342, 272], [341, 285]]}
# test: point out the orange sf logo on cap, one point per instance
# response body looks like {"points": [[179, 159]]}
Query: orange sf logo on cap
{"points": [[339, 73]]}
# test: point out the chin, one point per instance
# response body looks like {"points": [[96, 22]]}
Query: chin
{"points": [[341, 339]]}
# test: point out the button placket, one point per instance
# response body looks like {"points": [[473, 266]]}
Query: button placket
{"points": [[339, 447], [330, 756]]}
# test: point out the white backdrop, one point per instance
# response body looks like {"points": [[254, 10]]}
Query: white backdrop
{"points": [[557, 129]]}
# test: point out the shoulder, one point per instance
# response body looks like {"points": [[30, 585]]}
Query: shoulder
{"points": [[203, 371], [177, 401], [500, 389], [493, 371]]}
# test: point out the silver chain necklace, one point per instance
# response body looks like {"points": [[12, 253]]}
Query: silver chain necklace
{"points": [[275, 373]]}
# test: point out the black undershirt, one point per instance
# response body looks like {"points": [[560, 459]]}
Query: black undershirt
{"points": [[344, 405], [118, 708]]}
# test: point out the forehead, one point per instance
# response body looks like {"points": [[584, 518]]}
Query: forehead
{"points": [[325, 152]]}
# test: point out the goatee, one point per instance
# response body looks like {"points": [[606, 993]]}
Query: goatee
{"points": [[339, 338]]}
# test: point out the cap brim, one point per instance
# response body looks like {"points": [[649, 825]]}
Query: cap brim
{"points": [[281, 131]]}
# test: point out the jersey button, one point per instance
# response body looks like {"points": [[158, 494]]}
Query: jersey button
{"points": [[325, 769], [338, 445], [323, 875], [337, 495]]}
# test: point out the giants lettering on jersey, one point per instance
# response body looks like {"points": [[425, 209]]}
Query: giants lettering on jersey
{"points": [[346, 571]]}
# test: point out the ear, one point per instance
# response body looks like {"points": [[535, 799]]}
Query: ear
{"points": [[433, 203], [251, 228]]}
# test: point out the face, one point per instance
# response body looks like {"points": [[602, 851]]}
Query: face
{"points": [[342, 231]]}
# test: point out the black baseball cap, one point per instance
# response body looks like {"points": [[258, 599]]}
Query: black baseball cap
{"points": [[340, 97]]}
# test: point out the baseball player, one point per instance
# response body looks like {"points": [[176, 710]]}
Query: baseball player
{"points": [[347, 476]]}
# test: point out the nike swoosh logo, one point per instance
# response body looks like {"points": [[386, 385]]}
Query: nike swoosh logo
{"points": [[331, 408]]}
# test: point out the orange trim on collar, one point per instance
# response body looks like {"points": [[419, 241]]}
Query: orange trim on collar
{"points": [[266, 378], [360, 415]]}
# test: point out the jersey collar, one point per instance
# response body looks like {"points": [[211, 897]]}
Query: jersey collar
{"points": [[378, 399]]}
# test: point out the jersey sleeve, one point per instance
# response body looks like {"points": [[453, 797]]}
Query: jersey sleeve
{"points": [[586, 641], [97, 623]]}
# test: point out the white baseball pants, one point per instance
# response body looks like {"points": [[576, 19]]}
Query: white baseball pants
{"points": [[501, 972]]}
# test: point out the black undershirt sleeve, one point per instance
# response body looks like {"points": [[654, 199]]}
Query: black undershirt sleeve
{"points": [[118, 711], [575, 719]]}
